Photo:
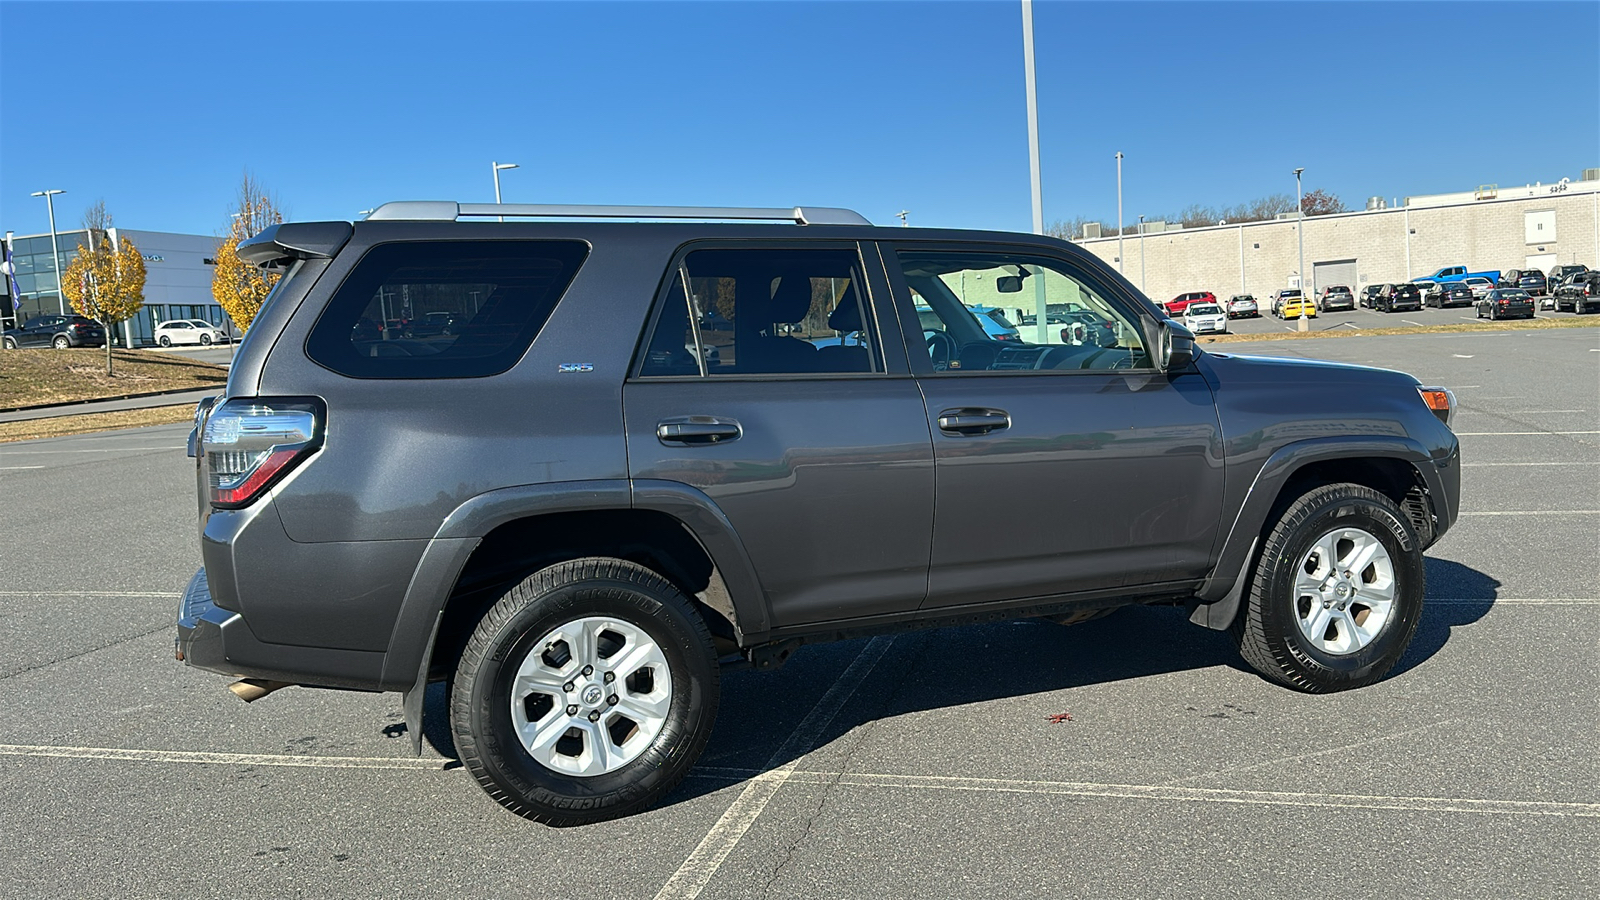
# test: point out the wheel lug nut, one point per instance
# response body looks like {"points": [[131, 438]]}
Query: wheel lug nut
{"points": [[610, 677], [572, 710], [588, 670], [567, 687], [611, 700], [594, 716]]}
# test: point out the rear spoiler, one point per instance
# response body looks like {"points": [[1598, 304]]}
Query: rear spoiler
{"points": [[295, 240]]}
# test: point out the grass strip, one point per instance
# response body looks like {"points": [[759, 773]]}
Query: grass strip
{"points": [[34, 377], [61, 426], [1338, 332]]}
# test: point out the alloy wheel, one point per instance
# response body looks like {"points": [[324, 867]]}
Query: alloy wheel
{"points": [[1344, 591]]}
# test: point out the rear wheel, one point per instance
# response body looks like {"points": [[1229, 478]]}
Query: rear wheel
{"points": [[1337, 593], [586, 693], [61, 342]]}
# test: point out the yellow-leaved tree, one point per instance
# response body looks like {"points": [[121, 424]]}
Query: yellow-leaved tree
{"points": [[105, 281], [239, 287]]}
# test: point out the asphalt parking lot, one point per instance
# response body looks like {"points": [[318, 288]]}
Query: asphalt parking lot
{"points": [[923, 765], [1361, 319]]}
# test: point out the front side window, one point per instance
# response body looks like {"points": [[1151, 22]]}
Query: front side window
{"points": [[953, 292], [443, 309], [763, 312]]}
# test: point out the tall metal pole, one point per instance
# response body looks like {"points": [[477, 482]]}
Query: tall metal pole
{"points": [[1119, 212], [55, 252], [1141, 254], [1300, 226], [497, 167], [1039, 312], [1242, 288]]}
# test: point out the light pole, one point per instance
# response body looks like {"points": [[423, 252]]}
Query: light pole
{"points": [[1039, 316], [1300, 226], [55, 252], [1141, 254], [497, 167], [1119, 212]]}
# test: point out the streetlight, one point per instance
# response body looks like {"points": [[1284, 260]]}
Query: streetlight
{"points": [[1039, 309], [1300, 226], [1141, 254], [55, 252], [1119, 212], [497, 167]]}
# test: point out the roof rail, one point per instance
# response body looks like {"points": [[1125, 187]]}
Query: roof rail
{"points": [[449, 211]]}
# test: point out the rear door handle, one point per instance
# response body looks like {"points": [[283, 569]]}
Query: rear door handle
{"points": [[698, 430], [973, 421]]}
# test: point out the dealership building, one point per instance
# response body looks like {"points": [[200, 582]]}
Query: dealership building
{"points": [[1533, 226], [177, 282]]}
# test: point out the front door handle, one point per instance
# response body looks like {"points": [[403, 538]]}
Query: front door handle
{"points": [[973, 421], [697, 430]]}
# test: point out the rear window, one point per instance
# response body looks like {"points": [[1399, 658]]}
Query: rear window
{"points": [[443, 309]]}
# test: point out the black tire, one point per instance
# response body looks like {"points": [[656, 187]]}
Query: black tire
{"points": [[165, 341], [1268, 633], [480, 703], [61, 342], [9, 344], [205, 340]]}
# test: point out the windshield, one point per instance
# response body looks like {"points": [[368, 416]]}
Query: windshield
{"points": [[1205, 309]]}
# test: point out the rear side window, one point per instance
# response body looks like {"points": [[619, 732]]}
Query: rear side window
{"points": [[443, 309]]}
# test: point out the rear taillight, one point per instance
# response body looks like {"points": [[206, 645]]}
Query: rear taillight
{"points": [[251, 443]]}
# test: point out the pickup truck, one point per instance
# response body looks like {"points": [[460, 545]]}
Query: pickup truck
{"points": [[1457, 273]]}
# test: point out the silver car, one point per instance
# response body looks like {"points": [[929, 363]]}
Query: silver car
{"points": [[1242, 305]]}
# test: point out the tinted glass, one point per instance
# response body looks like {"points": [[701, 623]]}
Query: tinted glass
{"points": [[496, 295], [1084, 329], [762, 312]]}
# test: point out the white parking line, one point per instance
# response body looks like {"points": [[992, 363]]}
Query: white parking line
{"points": [[69, 592], [6, 453], [231, 759], [1538, 512], [1202, 795], [1483, 465], [22, 467], [1516, 433], [696, 871], [1499, 601]]}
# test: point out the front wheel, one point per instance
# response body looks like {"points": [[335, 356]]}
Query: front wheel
{"points": [[165, 341], [585, 693], [205, 340], [9, 344], [1337, 593]]}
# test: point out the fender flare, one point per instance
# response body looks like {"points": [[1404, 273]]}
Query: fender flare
{"points": [[1237, 547], [409, 653]]}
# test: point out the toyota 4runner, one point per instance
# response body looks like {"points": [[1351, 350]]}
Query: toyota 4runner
{"points": [[645, 450]]}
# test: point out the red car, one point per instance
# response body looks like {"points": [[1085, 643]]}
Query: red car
{"points": [[1178, 304]]}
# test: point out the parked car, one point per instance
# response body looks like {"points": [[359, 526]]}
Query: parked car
{"points": [[1290, 307], [1178, 304], [189, 331], [1243, 306], [1082, 326], [430, 325], [1398, 298], [1479, 285], [1580, 292], [1205, 318], [576, 523], [1423, 286], [1279, 297], [1370, 292], [1447, 294], [1458, 273], [1532, 281], [1336, 299], [56, 331], [1561, 273], [1506, 303]]}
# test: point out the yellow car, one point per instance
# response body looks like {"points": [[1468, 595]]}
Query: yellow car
{"points": [[1291, 308]]}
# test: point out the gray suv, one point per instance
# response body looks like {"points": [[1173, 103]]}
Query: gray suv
{"points": [[647, 450]]}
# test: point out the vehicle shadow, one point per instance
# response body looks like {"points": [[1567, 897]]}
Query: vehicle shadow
{"points": [[950, 667]]}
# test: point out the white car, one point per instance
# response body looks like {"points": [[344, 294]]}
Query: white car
{"points": [[1479, 286], [1205, 318], [189, 331]]}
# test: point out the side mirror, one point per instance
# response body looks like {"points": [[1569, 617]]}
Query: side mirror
{"points": [[1176, 348], [1008, 284]]}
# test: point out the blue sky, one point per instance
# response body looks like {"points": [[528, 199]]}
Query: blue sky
{"points": [[158, 108]]}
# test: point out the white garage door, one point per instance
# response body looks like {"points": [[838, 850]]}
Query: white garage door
{"points": [[1544, 262], [1327, 274]]}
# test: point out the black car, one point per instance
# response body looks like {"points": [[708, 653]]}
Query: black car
{"points": [[56, 331], [1532, 281], [1506, 303], [1398, 298], [1579, 292], [1448, 293], [430, 325], [1559, 274], [583, 504], [1369, 294]]}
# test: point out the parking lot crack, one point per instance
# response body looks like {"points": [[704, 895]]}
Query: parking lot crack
{"points": [[48, 663]]}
